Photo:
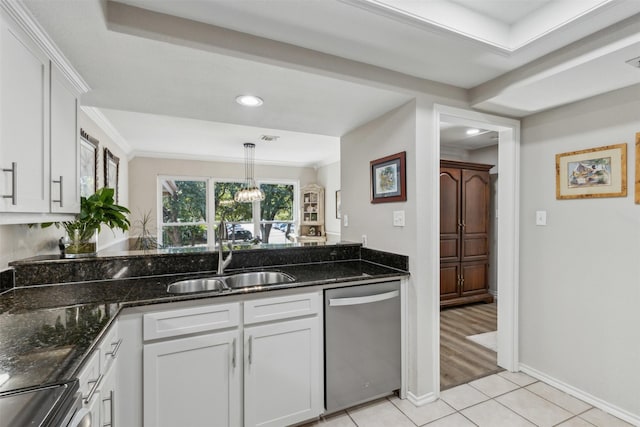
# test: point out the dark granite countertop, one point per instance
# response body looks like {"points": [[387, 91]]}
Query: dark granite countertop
{"points": [[46, 331]]}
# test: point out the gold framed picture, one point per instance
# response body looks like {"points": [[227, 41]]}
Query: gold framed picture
{"points": [[591, 173]]}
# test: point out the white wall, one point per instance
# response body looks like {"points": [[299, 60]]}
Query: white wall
{"points": [[109, 238], [21, 241], [144, 171], [580, 275], [408, 128], [328, 176]]}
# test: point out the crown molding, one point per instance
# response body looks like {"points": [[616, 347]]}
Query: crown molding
{"points": [[19, 13], [107, 127]]}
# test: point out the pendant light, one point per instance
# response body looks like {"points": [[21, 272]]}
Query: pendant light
{"points": [[249, 192]]}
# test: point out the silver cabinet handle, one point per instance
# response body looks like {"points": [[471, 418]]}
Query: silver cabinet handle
{"points": [[233, 353], [334, 302], [250, 349], [14, 183], [114, 353], [93, 390], [111, 400], [61, 200]]}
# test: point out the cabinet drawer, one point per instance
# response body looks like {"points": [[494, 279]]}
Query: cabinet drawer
{"points": [[109, 347], [191, 320], [263, 310], [90, 376]]}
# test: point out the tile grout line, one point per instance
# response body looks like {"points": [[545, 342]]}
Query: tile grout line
{"points": [[499, 403], [401, 411]]}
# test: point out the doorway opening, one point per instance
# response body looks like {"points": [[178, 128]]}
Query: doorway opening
{"points": [[503, 254], [468, 240]]}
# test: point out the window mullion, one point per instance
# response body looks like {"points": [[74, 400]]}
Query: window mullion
{"points": [[211, 212]]}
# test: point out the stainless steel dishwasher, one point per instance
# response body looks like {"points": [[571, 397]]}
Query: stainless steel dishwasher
{"points": [[362, 343]]}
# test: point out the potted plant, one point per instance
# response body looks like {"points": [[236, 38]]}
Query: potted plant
{"points": [[96, 210]]}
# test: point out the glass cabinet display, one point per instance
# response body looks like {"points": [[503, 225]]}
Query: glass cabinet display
{"points": [[312, 214]]}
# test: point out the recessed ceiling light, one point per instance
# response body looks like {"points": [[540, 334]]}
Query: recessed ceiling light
{"points": [[473, 131], [249, 100]]}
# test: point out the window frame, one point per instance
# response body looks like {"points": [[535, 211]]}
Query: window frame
{"points": [[159, 217], [210, 220]]}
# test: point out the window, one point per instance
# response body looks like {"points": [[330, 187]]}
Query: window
{"points": [[184, 212], [237, 216], [192, 208], [277, 212]]}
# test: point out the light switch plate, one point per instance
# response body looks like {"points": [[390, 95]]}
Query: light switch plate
{"points": [[398, 218], [541, 217], [345, 220]]}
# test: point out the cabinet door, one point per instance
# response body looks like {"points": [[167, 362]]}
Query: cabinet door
{"points": [[475, 215], [193, 381], [24, 123], [282, 373], [108, 398], [93, 405], [449, 280], [450, 214], [475, 276], [65, 153]]}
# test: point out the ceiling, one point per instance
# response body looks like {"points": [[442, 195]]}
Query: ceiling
{"points": [[165, 72]]}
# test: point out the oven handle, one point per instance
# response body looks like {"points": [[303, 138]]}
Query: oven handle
{"points": [[335, 302]]}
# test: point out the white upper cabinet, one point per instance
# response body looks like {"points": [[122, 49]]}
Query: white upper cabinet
{"points": [[39, 146], [65, 154], [24, 122]]}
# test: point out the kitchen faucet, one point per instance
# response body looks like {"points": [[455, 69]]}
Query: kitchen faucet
{"points": [[222, 262]]}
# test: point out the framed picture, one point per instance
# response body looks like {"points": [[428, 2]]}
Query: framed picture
{"points": [[111, 169], [596, 172], [388, 179], [338, 205], [88, 164], [638, 168]]}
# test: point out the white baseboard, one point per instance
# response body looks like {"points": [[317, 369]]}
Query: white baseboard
{"points": [[627, 416], [421, 400]]}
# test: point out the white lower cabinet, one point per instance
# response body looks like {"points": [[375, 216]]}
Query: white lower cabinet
{"points": [[194, 381], [98, 380], [207, 366], [108, 398], [282, 373], [90, 379]]}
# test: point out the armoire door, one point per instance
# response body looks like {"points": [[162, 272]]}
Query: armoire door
{"points": [[475, 215], [450, 209], [449, 280]]}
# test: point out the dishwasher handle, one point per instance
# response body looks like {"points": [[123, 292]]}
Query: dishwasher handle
{"points": [[335, 302]]}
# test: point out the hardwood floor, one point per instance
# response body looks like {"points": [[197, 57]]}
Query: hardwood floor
{"points": [[462, 360]]}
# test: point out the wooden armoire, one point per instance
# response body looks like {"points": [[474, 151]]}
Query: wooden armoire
{"points": [[464, 233]]}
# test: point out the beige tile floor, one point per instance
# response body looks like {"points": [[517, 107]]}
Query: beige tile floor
{"points": [[502, 400]]}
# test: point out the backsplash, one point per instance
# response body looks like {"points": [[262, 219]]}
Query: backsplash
{"points": [[399, 262], [51, 269]]}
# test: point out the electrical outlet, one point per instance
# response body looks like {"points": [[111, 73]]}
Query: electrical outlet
{"points": [[364, 240]]}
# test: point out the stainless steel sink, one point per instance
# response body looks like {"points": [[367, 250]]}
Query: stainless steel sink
{"points": [[197, 285], [257, 278], [234, 281]]}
